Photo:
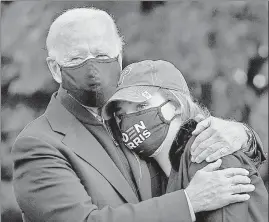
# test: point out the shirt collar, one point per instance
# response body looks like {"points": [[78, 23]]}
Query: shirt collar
{"points": [[80, 112], [94, 111]]}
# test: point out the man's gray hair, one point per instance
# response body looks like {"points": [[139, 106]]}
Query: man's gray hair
{"points": [[64, 31]]}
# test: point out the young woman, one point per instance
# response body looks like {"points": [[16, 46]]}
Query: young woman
{"points": [[153, 114]]}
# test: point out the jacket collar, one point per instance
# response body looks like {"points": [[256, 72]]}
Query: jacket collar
{"points": [[58, 117]]}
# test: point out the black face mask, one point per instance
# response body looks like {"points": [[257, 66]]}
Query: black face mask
{"points": [[144, 131], [92, 82]]}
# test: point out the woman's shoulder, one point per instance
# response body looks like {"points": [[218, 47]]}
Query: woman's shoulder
{"points": [[180, 153], [235, 160]]}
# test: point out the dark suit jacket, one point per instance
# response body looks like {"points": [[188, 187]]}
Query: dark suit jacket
{"points": [[62, 173], [253, 210]]}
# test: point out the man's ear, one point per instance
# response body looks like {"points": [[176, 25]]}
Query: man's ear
{"points": [[120, 60], [54, 69]]}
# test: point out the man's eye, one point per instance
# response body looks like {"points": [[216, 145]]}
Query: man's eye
{"points": [[75, 61], [76, 58], [102, 57]]}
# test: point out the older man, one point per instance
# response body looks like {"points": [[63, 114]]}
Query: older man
{"points": [[67, 167]]}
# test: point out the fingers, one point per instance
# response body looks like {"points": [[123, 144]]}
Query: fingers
{"points": [[201, 126], [199, 118], [238, 179], [202, 137], [242, 188], [238, 198], [230, 172], [208, 150], [212, 166], [220, 152]]}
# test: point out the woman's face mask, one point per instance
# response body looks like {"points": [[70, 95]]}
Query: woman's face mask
{"points": [[144, 131], [92, 82]]}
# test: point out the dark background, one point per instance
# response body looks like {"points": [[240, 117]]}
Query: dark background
{"points": [[221, 48]]}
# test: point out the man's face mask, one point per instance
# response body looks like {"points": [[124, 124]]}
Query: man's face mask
{"points": [[144, 131], [92, 82]]}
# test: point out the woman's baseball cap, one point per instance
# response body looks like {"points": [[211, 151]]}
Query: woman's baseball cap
{"points": [[139, 81]]}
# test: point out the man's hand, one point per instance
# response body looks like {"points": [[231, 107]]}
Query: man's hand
{"points": [[210, 190], [217, 138]]}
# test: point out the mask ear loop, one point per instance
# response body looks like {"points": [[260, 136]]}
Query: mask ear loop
{"points": [[161, 114], [165, 121], [59, 67]]}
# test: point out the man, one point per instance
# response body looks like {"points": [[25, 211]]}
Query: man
{"points": [[66, 165]]}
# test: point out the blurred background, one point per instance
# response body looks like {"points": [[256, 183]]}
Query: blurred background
{"points": [[221, 48]]}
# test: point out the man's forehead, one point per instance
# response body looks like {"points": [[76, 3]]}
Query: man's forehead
{"points": [[79, 37]]}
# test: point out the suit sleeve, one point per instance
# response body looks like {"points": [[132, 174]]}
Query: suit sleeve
{"points": [[47, 189], [253, 210]]}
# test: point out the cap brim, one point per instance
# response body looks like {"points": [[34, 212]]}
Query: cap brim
{"points": [[136, 94]]}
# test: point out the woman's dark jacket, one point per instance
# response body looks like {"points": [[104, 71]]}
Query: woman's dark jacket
{"points": [[253, 210]]}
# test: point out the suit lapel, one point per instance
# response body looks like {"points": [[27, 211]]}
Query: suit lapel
{"points": [[90, 150], [80, 140]]}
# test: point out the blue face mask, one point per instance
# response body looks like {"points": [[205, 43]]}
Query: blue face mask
{"points": [[92, 82]]}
